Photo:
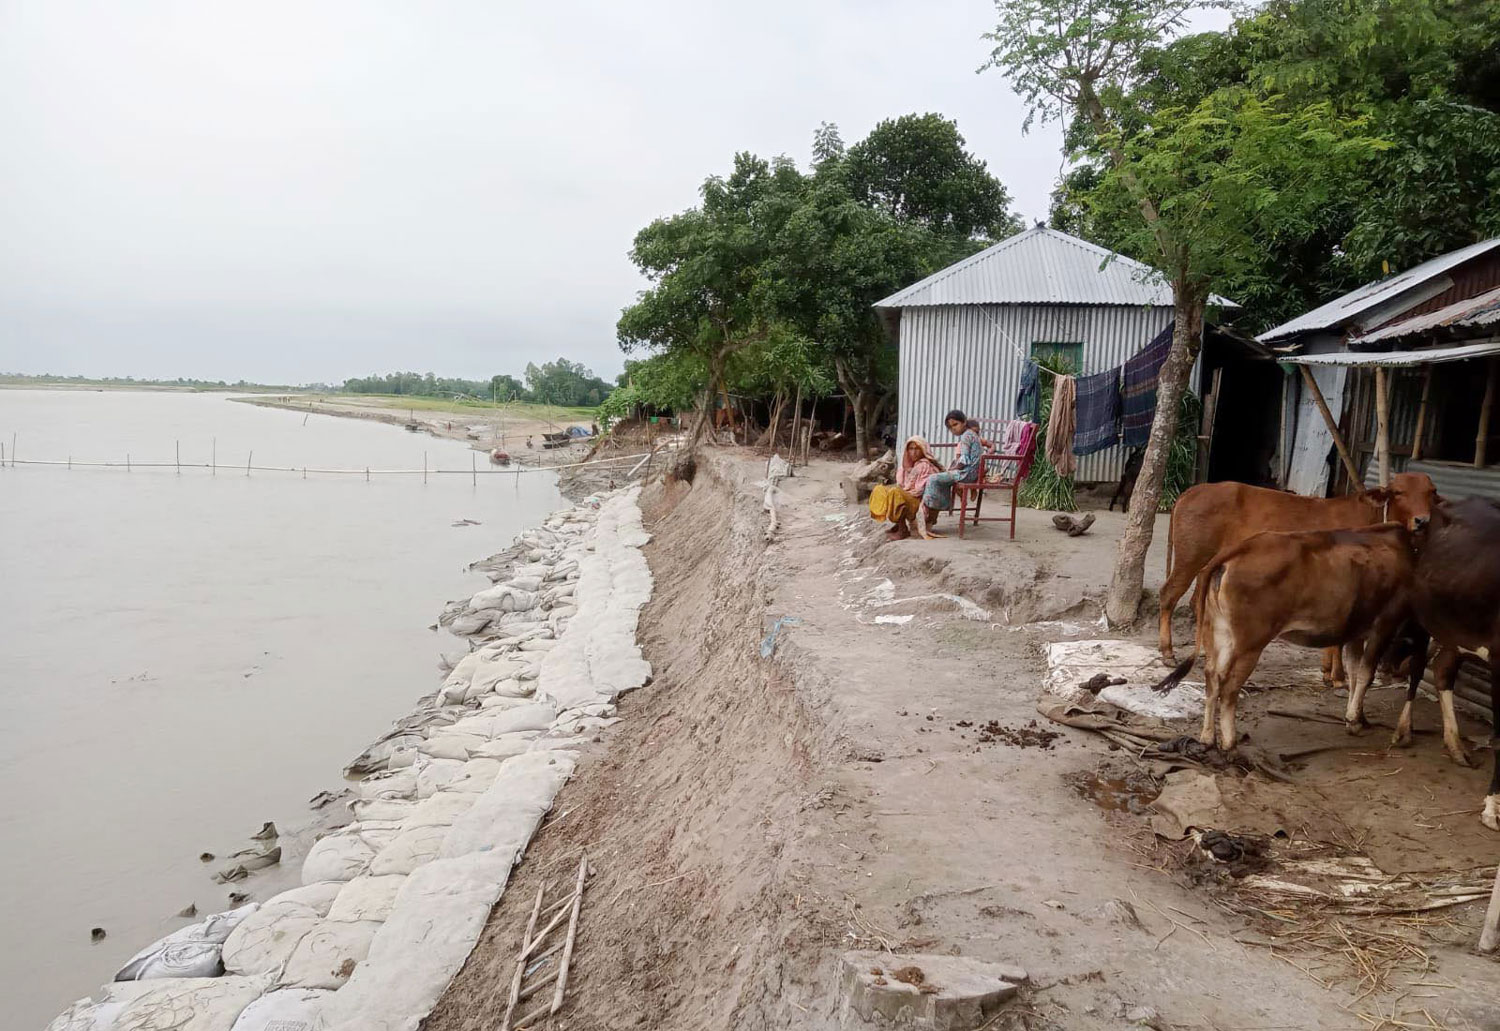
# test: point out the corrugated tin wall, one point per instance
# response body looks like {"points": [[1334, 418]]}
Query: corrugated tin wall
{"points": [[970, 357]]}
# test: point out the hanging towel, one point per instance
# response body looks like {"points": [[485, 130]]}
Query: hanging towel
{"points": [[1029, 399], [1098, 412], [1060, 427], [1139, 391]]}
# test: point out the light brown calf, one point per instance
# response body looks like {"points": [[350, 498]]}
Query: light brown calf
{"points": [[1321, 589]]}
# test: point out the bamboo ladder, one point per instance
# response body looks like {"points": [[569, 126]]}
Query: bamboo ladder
{"points": [[533, 957]]}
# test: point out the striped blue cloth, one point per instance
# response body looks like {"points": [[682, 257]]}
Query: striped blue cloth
{"points": [[1098, 408]]}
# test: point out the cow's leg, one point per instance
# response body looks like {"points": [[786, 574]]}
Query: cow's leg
{"points": [[1417, 664], [1178, 581], [1333, 669], [1229, 695], [1370, 649], [1444, 672], [1491, 814], [1210, 705]]}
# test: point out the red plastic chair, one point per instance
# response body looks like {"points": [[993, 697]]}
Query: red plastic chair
{"points": [[1001, 470]]}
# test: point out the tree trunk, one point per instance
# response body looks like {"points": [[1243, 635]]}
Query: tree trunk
{"points": [[862, 397], [1124, 599], [776, 406], [715, 374]]}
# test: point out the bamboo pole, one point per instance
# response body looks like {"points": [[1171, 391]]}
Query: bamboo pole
{"points": [[424, 466], [791, 451], [1481, 439], [127, 462], [567, 956], [1383, 424], [1333, 427], [12, 450], [248, 460], [1416, 444], [515, 983], [215, 459], [473, 470], [178, 445]]}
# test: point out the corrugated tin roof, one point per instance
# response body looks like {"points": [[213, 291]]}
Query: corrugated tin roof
{"points": [[1041, 266], [1472, 312], [1424, 356], [1340, 310]]}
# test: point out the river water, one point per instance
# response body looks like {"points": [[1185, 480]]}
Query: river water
{"points": [[184, 656]]}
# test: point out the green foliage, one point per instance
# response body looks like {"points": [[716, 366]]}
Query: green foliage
{"points": [[1182, 459], [416, 384], [1420, 76], [564, 383], [1044, 487], [915, 169]]}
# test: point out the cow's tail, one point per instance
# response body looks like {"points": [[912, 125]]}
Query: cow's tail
{"points": [[1208, 580]]}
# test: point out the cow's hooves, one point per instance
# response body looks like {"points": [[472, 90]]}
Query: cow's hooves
{"points": [[1491, 815], [1355, 727], [1169, 660], [1462, 759], [1401, 741]]}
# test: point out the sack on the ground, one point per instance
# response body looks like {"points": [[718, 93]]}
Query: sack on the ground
{"points": [[366, 898], [264, 942], [328, 954], [338, 857], [435, 774], [190, 1004], [505, 816], [409, 850], [192, 951], [317, 896], [440, 810], [286, 1009]]}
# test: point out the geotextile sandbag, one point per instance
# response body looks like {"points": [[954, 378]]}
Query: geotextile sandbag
{"points": [[317, 896], [476, 776], [390, 784], [382, 808], [409, 850], [191, 951], [328, 954], [338, 857], [435, 774], [450, 744], [286, 1009], [504, 746], [367, 898], [190, 1004], [440, 810], [506, 816], [264, 941]]}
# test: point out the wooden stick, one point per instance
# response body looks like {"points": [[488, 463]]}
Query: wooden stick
{"points": [[1383, 424], [796, 423], [248, 460], [473, 470], [515, 983], [214, 462], [567, 956], [1333, 426], [424, 466], [1416, 444], [179, 456], [551, 926], [537, 986], [1481, 439]]}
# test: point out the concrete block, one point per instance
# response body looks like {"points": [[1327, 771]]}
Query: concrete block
{"points": [[946, 993]]}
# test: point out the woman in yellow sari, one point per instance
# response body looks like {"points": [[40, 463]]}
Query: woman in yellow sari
{"points": [[897, 503]]}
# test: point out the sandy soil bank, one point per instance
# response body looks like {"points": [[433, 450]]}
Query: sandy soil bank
{"points": [[751, 819], [474, 427]]}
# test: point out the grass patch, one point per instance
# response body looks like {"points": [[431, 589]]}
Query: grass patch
{"points": [[512, 410]]}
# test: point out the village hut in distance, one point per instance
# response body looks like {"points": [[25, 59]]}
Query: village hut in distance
{"points": [[966, 333]]}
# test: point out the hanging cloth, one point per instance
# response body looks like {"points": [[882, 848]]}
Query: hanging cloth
{"points": [[1029, 399], [1139, 391], [1098, 412], [1060, 427]]}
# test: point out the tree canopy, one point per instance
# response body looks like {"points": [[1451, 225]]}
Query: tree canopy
{"points": [[767, 284]]}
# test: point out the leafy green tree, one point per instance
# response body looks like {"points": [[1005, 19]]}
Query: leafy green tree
{"points": [[564, 383], [705, 268], [1206, 181], [507, 388]]}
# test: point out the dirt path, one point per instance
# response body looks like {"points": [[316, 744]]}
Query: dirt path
{"points": [[879, 784]]}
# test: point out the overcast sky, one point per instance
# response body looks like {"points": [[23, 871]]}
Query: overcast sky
{"points": [[305, 191]]}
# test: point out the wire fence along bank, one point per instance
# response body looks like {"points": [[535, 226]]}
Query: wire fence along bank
{"points": [[214, 466]]}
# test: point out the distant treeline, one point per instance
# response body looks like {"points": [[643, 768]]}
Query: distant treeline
{"points": [[41, 379], [562, 382]]}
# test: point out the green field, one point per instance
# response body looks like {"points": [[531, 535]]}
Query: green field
{"points": [[511, 410]]}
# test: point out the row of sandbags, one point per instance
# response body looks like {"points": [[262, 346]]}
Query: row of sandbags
{"points": [[392, 904]]}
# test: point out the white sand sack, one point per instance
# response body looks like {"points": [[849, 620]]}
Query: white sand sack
{"points": [[366, 898], [440, 810], [191, 951], [338, 857], [437, 919], [504, 746], [328, 954], [287, 1009], [317, 896], [506, 816], [381, 808], [264, 942], [476, 776], [505, 598], [191, 1004], [409, 850], [450, 745], [1073, 663], [499, 701], [101, 1014], [390, 784], [534, 716], [435, 774]]}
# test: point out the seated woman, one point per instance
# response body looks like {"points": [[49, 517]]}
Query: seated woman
{"points": [[937, 496], [898, 502]]}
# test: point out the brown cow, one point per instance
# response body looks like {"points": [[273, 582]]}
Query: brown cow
{"points": [[1213, 516], [1321, 589], [1456, 598]]}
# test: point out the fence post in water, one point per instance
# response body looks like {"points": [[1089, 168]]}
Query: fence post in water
{"points": [[216, 457], [304, 472], [424, 466], [12, 450], [179, 456], [473, 470], [127, 461], [248, 460], [367, 474], [2, 456]]}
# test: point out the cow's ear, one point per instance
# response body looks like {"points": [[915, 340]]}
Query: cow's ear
{"points": [[1377, 496]]}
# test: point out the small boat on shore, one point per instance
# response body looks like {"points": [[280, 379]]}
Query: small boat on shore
{"points": [[498, 457]]}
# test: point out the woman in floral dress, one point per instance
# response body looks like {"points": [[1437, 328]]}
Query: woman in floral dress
{"points": [[937, 495]]}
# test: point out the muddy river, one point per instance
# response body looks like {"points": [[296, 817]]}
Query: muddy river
{"points": [[186, 655]]}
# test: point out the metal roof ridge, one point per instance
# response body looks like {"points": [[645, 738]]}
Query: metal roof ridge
{"points": [[958, 266]]}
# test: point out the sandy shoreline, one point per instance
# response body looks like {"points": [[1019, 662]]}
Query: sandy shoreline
{"points": [[474, 427]]}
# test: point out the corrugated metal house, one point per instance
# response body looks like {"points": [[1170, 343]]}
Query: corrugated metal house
{"points": [[966, 333], [1428, 338]]}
